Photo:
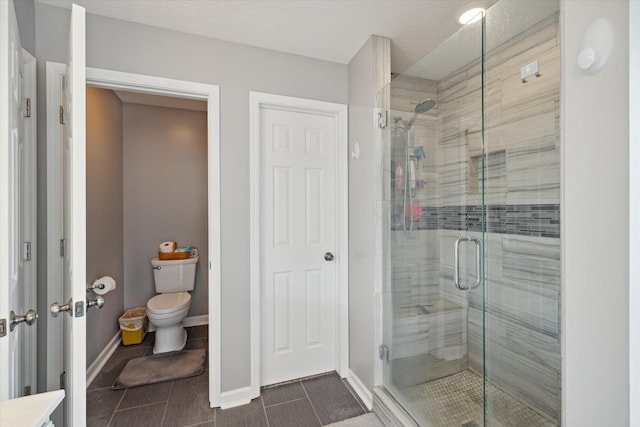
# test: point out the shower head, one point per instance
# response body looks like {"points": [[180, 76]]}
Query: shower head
{"points": [[422, 107], [425, 105]]}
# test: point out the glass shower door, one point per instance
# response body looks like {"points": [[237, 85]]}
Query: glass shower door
{"points": [[433, 336], [522, 197], [471, 292]]}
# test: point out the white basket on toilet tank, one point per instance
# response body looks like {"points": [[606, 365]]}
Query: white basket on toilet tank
{"points": [[167, 311]]}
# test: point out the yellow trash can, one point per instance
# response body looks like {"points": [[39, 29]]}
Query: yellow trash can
{"points": [[133, 324]]}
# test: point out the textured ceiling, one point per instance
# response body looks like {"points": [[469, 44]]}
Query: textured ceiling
{"points": [[332, 30]]}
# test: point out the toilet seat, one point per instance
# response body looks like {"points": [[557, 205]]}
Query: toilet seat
{"points": [[169, 302]]}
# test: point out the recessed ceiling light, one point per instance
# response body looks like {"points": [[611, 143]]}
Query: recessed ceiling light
{"points": [[471, 15]]}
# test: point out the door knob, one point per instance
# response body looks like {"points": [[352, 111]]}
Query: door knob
{"points": [[29, 318], [56, 308], [97, 303], [328, 256]]}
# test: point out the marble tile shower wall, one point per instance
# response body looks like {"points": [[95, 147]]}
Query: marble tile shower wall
{"points": [[522, 191]]}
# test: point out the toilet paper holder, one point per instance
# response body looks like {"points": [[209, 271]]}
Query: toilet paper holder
{"points": [[102, 285], [95, 285]]}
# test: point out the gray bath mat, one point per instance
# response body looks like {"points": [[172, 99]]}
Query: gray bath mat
{"points": [[161, 367]]}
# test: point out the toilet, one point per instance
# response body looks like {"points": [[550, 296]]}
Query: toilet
{"points": [[167, 310]]}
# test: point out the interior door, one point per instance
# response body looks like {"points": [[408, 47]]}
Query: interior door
{"points": [[12, 299], [74, 220], [298, 240]]}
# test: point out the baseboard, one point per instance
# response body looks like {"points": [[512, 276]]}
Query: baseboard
{"points": [[196, 321], [101, 360], [189, 322], [363, 393], [237, 397]]}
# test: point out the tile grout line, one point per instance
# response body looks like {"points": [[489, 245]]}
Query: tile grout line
{"points": [[264, 410], [200, 423], [283, 403], [113, 414], [311, 403], [141, 406], [164, 415]]}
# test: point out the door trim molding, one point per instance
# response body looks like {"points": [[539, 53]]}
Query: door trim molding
{"points": [[109, 79], [257, 101]]}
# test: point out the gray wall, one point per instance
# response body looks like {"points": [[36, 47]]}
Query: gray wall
{"points": [[361, 301], [26, 16], [634, 235], [237, 69], [369, 72], [104, 213], [165, 195], [596, 222]]}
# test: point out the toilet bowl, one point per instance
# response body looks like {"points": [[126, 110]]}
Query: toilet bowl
{"points": [[167, 310], [167, 313]]}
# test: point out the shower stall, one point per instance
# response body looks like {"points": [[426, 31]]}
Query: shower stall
{"points": [[471, 297]]}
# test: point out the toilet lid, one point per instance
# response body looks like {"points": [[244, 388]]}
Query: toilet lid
{"points": [[165, 303]]}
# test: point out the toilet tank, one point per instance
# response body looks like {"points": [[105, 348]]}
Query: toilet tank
{"points": [[174, 275]]}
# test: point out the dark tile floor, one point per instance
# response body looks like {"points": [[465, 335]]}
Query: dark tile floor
{"points": [[309, 402]]}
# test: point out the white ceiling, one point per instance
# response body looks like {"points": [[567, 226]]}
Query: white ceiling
{"points": [[331, 30]]}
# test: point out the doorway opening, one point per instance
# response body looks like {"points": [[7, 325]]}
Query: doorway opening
{"points": [[146, 183], [142, 94]]}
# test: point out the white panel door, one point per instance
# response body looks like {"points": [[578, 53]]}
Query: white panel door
{"points": [[298, 215], [74, 219], [11, 238]]}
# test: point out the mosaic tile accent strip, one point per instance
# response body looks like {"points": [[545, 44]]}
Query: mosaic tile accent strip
{"points": [[525, 220]]}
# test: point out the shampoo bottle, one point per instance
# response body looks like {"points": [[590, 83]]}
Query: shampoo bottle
{"points": [[399, 175]]}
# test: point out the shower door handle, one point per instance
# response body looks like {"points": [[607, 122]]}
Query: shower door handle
{"points": [[456, 263]]}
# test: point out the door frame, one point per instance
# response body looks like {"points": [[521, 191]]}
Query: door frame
{"points": [[116, 80], [30, 168], [54, 279], [338, 112]]}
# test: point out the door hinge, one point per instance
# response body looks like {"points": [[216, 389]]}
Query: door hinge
{"points": [[61, 115], [3, 327], [26, 255], [63, 380], [383, 353], [63, 247], [27, 390], [382, 119], [27, 107]]}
